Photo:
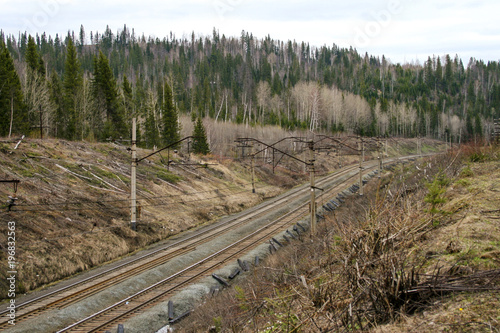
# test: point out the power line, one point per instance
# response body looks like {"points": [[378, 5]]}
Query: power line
{"points": [[126, 200], [128, 206]]}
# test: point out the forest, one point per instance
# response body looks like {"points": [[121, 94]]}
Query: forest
{"points": [[89, 86]]}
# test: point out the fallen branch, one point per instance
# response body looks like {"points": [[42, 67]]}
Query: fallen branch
{"points": [[104, 189], [17, 145], [102, 180], [490, 211], [73, 173]]}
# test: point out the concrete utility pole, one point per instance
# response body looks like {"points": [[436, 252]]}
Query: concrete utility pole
{"points": [[361, 157], [379, 148], [340, 153], [313, 188], [419, 143], [253, 169], [133, 179]]}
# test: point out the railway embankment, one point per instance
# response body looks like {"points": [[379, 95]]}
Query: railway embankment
{"points": [[418, 252]]}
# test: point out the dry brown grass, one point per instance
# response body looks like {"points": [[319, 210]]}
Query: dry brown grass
{"points": [[383, 262], [73, 211]]}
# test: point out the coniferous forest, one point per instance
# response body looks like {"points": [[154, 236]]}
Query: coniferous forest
{"points": [[89, 85]]}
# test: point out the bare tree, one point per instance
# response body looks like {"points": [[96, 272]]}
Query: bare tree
{"points": [[263, 97]]}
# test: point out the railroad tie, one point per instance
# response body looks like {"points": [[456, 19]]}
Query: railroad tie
{"points": [[236, 272], [277, 242], [170, 310], [243, 265], [300, 225], [256, 261], [286, 239], [291, 235], [272, 246], [220, 280], [185, 314]]}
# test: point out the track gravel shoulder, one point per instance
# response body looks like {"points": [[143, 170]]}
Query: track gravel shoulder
{"points": [[155, 318]]}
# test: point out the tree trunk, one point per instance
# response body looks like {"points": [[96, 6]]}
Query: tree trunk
{"points": [[11, 113]]}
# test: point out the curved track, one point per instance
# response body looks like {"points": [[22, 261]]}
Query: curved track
{"points": [[126, 308]]}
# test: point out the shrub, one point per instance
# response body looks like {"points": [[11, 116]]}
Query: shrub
{"points": [[436, 190]]}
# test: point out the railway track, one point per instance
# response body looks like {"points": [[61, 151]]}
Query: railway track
{"points": [[129, 306], [75, 292]]}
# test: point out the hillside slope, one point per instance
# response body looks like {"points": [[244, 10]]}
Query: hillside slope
{"points": [[73, 202], [73, 208], [418, 252]]}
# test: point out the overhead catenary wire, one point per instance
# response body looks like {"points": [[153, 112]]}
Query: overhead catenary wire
{"points": [[139, 198], [127, 200]]}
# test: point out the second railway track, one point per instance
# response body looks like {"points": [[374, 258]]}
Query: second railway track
{"points": [[144, 298]]}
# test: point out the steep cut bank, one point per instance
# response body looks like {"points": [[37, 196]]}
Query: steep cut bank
{"points": [[418, 252], [72, 211], [73, 207]]}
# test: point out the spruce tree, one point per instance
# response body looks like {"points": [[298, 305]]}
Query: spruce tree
{"points": [[171, 128], [73, 81], [128, 99], [57, 98], [13, 115], [106, 95], [200, 144], [32, 55]]}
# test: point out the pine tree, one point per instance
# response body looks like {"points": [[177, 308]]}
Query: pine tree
{"points": [[171, 128], [151, 132], [13, 115], [200, 144], [57, 98], [72, 84], [106, 95], [32, 55], [128, 99]]}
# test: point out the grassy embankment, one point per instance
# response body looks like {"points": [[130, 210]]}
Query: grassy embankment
{"points": [[419, 252], [73, 208]]}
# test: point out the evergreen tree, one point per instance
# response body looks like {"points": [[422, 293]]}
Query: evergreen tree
{"points": [[200, 144], [36, 90], [151, 132], [106, 95], [57, 98], [128, 100], [32, 55], [13, 116], [171, 128], [70, 120]]}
